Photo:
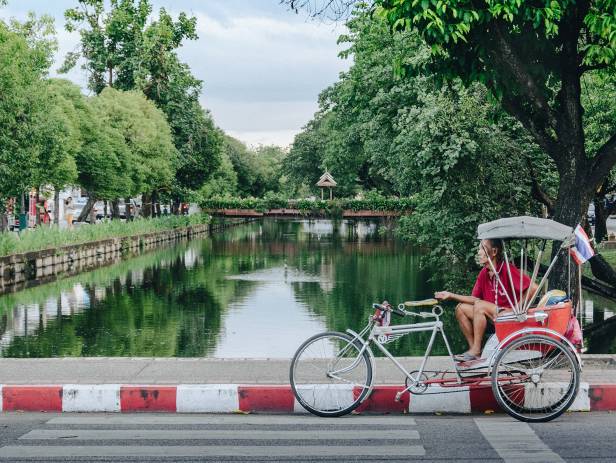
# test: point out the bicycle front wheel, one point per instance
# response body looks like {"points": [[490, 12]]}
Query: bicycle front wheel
{"points": [[535, 378], [330, 375]]}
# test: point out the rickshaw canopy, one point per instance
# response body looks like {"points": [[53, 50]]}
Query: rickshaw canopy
{"points": [[524, 227]]}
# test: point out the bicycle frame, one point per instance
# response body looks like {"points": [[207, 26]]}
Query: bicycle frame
{"points": [[381, 335]]}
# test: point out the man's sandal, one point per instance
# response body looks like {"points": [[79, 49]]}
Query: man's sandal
{"points": [[465, 357]]}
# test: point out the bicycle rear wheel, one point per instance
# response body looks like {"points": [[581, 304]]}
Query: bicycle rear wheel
{"points": [[535, 378], [328, 375]]}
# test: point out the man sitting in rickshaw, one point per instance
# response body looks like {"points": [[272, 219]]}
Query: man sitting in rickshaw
{"points": [[490, 295]]}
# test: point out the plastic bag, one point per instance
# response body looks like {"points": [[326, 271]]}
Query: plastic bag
{"points": [[574, 332]]}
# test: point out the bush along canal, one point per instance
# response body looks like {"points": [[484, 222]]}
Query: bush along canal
{"points": [[257, 290]]}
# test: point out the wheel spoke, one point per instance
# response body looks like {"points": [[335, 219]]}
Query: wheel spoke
{"points": [[326, 371], [547, 385]]}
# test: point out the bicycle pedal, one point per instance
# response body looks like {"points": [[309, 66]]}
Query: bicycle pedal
{"points": [[398, 397]]}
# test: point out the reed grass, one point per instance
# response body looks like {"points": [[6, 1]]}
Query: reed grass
{"points": [[46, 237]]}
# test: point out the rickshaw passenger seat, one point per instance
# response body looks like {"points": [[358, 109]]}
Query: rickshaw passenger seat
{"points": [[552, 297]]}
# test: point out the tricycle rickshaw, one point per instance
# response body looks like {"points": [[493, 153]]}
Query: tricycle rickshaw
{"points": [[530, 363]]}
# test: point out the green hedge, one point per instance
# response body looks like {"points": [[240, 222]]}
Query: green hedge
{"points": [[306, 205]]}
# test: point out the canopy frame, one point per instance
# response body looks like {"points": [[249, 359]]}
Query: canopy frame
{"points": [[524, 228]]}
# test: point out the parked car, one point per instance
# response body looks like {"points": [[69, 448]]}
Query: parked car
{"points": [[100, 210], [590, 214]]}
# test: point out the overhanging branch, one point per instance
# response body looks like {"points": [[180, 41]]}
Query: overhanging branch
{"points": [[603, 161], [542, 137], [538, 193], [505, 55]]}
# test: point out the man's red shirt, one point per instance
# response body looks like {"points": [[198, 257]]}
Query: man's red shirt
{"points": [[485, 285]]}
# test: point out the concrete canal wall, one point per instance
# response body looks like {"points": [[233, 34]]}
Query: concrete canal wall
{"points": [[20, 271]]}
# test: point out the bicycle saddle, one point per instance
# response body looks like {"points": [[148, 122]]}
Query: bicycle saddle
{"points": [[421, 303]]}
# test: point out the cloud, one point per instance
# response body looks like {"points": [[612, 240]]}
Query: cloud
{"points": [[263, 67], [263, 74]]}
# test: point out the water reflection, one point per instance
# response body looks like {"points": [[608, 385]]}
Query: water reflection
{"points": [[255, 291]]}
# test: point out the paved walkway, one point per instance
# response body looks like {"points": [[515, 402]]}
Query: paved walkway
{"points": [[163, 371]]}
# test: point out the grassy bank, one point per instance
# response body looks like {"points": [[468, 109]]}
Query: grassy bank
{"points": [[53, 237], [609, 255]]}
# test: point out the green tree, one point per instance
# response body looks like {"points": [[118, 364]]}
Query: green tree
{"points": [[124, 49], [224, 181], [147, 163], [23, 64], [533, 57], [304, 164], [61, 142], [267, 162], [240, 158], [451, 147]]}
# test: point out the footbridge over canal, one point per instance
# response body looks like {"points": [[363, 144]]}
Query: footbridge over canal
{"points": [[346, 208]]}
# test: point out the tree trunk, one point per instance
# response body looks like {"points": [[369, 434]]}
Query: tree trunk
{"points": [[87, 208], [571, 204], [115, 209], [154, 200], [600, 220], [36, 208], [602, 270], [177, 206], [146, 205], [56, 206], [155, 204], [127, 210]]}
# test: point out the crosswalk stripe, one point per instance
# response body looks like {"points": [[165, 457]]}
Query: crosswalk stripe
{"points": [[210, 451], [151, 419], [191, 434], [516, 442]]}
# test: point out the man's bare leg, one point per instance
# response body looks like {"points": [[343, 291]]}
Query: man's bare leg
{"points": [[464, 314], [482, 310]]}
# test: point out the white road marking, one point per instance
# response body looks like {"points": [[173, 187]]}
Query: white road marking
{"points": [[57, 451], [515, 441], [192, 434], [160, 419]]}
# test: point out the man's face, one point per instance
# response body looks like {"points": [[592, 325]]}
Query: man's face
{"points": [[482, 257]]}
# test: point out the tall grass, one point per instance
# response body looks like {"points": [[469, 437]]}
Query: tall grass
{"points": [[52, 237]]}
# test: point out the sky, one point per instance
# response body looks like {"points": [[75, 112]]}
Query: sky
{"points": [[262, 65]]}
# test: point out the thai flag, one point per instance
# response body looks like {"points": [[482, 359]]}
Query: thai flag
{"points": [[581, 250]]}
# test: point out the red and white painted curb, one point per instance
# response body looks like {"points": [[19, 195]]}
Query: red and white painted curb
{"points": [[234, 398]]}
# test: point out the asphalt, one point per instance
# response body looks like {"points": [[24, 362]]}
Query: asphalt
{"points": [[598, 369], [89, 437]]}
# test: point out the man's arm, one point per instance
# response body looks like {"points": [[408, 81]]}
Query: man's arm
{"points": [[448, 296], [531, 290]]}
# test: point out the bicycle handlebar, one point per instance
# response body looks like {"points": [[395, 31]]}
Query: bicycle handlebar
{"points": [[436, 312]]}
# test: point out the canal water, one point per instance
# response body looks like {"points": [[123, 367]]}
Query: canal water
{"points": [[255, 291]]}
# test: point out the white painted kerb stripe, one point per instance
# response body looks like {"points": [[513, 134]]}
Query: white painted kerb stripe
{"points": [[91, 398], [515, 442], [207, 398], [441, 399]]}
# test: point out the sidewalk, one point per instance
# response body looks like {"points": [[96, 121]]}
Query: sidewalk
{"points": [[239, 385]]}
